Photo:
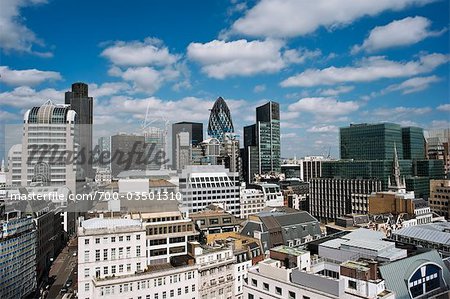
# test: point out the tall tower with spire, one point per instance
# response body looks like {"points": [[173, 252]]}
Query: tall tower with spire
{"points": [[399, 185]]}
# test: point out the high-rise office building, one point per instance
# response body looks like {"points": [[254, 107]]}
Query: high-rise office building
{"points": [[127, 153], [155, 142], [79, 100], [268, 137], [50, 136], [413, 143], [220, 120], [370, 141], [182, 150], [437, 147], [202, 185], [195, 131], [230, 155], [249, 154]]}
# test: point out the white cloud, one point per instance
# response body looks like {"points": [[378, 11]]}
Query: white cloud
{"points": [[369, 69], [444, 107], [147, 65], [26, 97], [290, 18], [323, 107], [259, 88], [323, 129], [413, 85], [28, 77], [335, 91], [397, 113], [398, 33], [135, 53], [300, 56], [220, 59], [14, 34], [288, 135], [107, 89]]}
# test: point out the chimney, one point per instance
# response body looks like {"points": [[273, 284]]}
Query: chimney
{"points": [[373, 272]]}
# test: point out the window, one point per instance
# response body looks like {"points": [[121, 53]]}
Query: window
{"points": [[179, 291], [86, 256], [113, 253], [105, 254], [214, 221], [250, 296], [120, 238], [86, 241], [97, 240], [105, 270], [128, 267], [97, 255], [278, 291], [86, 272], [186, 290], [128, 238], [113, 269], [86, 287], [138, 251], [254, 282], [138, 237], [266, 286], [113, 239], [172, 293], [120, 268], [306, 297], [291, 295], [352, 284]]}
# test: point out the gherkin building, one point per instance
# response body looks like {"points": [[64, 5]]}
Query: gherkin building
{"points": [[220, 120]]}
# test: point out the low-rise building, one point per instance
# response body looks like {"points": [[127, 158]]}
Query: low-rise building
{"points": [[216, 271], [214, 220], [292, 273], [282, 226], [439, 200]]}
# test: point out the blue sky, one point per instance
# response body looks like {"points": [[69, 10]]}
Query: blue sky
{"points": [[327, 62]]}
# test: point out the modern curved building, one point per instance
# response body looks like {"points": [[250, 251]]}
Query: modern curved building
{"points": [[220, 120], [50, 135]]}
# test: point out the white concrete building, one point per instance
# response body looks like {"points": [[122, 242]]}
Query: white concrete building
{"points": [[13, 176], [202, 185], [50, 135], [290, 273], [106, 248], [252, 201], [216, 271]]}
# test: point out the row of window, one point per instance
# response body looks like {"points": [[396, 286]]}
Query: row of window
{"points": [[113, 239]]}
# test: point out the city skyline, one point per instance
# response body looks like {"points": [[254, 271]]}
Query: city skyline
{"points": [[373, 73]]}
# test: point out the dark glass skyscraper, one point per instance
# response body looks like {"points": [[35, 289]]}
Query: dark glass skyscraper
{"points": [[195, 131], [413, 143], [370, 141], [268, 137], [220, 120], [80, 101]]}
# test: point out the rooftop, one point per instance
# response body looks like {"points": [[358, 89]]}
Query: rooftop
{"points": [[289, 250], [110, 223]]}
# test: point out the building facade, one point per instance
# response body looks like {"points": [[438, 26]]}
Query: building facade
{"points": [[220, 121], [79, 100], [17, 256], [50, 135], [203, 185], [195, 131], [440, 197], [331, 198]]}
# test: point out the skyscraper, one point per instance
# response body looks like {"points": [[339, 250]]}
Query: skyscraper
{"points": [[80, 101], [128, 152], [249, 154], [49, 141], [195, 131], [413, 143], [370, 141], [220, 120], [268, 137]]}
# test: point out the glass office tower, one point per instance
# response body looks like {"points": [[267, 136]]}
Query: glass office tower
{"points": [[370, 141], [268, 137], [220, 120], [413, 143]]}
